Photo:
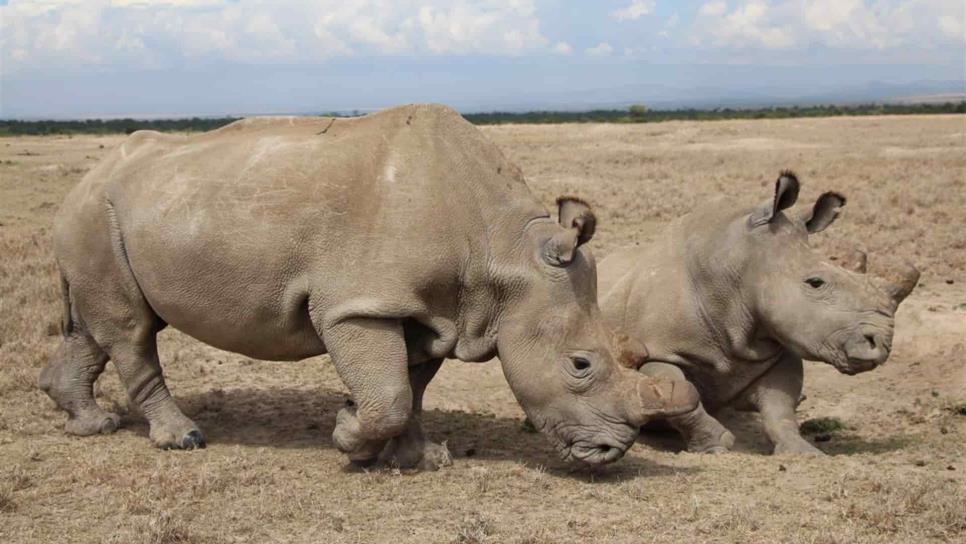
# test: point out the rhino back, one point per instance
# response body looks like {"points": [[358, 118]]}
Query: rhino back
{"points": [[235, 236], [659, 293]]}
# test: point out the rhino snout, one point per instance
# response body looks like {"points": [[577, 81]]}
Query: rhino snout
{"points": [[866, 349]]}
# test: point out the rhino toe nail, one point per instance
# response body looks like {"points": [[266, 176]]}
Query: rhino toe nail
{"points": [[193, 440], [108, 426]]}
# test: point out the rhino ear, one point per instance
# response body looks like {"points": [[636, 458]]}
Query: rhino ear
{"points": [[857, 261], [630, 352], [574, 213], [786, 193], [824, 213], [579, 223]]}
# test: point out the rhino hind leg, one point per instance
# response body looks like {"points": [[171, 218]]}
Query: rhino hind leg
{"points": [[103, 296], [776, 395], [411, 449], [69, 379], [701, 432]]}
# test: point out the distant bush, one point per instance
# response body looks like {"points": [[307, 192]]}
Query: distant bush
{"points": [[110, 126], [637, 113], [640, 113]]}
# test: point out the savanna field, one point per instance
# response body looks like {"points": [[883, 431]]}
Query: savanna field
{"points": [[895, 469]]}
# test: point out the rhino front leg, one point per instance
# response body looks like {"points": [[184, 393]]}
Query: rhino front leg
{"points": [[775, 395], [370, 357], [701, 432], [411, 449]]}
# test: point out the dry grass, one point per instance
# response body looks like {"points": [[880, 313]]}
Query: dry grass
{"points": [[270, 473]]}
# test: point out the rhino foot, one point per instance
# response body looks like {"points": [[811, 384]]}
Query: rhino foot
{"points": [[177, 433], [720, 442], [703, 433], [425, 456], [350, 440], [91, 422], [412, 450]]}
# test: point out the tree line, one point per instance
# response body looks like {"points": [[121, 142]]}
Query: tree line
{"points": [[637, 113]]}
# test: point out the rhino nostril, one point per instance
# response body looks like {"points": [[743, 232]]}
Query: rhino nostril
{"points": [[871, 340]]}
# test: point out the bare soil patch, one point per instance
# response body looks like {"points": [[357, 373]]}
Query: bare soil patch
{"points": [[895, 469]]}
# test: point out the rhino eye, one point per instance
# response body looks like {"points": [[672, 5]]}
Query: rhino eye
{"points": [[815, 283], [580, 363]]}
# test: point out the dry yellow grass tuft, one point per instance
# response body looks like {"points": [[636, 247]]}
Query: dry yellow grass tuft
{"points": [[270, 473]]}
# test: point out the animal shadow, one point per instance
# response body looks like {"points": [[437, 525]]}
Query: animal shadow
{"points": [[750, 438], [300, 418]]}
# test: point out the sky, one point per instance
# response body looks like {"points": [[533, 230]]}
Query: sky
{"points": [[150, 58]]}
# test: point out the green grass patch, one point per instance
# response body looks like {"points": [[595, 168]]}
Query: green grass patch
{"points": [[822, 425]]}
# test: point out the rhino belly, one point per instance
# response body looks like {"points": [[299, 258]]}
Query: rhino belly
{"points": [[236, 291]]}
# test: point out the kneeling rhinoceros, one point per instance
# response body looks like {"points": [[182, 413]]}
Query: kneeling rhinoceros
{"points": [[390, 241], [733, 298]]}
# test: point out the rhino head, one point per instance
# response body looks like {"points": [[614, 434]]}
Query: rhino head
{"points": [[839, 315], [574, 379]]}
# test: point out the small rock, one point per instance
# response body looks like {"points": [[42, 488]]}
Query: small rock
{"points": [[944, 430], [950, 282], [920, 463], [781, 468], [950, 467]]}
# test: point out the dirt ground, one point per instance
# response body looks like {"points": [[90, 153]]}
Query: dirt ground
{"points": [[896, 473]]}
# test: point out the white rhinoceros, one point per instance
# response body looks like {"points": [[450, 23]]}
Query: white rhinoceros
{"points": [[391, 242], [733, 298]]}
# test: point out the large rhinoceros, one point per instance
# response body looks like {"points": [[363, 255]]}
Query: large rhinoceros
{"points": [[733, 298], [391, 242]]}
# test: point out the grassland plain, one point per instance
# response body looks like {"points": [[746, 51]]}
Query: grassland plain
{"points": [[895, 473]]}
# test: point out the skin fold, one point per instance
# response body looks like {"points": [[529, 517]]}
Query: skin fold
{"points": [[391, 242], [732, 299]]}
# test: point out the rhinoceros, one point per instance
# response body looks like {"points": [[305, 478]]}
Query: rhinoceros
{"points": [[732, 299], [390, 241]]}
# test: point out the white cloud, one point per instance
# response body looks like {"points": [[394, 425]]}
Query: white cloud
{"points": [[600, 50], [842, 24], [634, 10], [712, 9], [563, 48], [54, 34], [952, 27], [669, 25]]}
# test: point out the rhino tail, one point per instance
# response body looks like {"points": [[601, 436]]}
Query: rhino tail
{"points": [[67, 322]]}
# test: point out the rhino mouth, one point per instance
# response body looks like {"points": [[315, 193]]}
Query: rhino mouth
{"points": [[595, 454], [596, 449], [857, 366]]}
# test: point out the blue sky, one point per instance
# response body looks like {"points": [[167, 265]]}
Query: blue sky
{"points": [[79, 58]]}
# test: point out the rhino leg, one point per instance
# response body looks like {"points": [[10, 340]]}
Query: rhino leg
{"points": [[701, 432], [69, 380], [105, 302], [140, 371], [775, 395], [411, 449], [370, 357]]}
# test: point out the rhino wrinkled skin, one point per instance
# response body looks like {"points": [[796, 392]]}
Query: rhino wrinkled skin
{"points": [[390, 241], [732, 299]]}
